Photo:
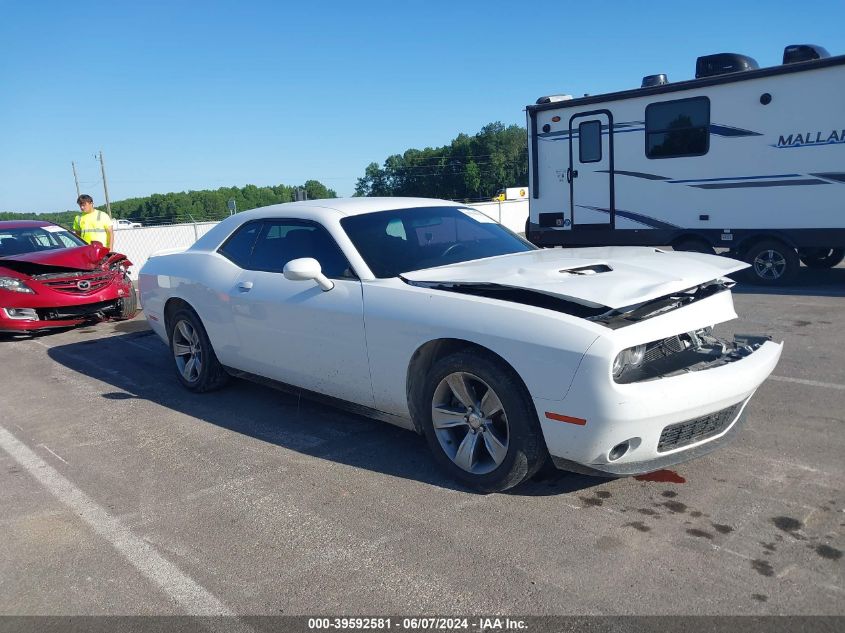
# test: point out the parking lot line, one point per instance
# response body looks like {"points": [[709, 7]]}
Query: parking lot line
{"points": [[811, 383], [180, 587]]}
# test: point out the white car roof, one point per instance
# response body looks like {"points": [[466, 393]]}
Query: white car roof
{"points": [[327, 212], [333, 207]]}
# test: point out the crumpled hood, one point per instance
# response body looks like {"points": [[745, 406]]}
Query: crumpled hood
{"points": [[615, 276], [86, 257]]}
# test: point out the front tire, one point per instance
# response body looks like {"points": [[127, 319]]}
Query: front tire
{"points": [[480, 423], [128, 306], [197, 367]]}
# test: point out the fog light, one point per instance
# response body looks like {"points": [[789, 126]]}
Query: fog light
{"points": [[618, 451], [23, 314]]}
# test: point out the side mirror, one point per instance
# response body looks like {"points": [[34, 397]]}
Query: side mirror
{"points": [[306, 268]]}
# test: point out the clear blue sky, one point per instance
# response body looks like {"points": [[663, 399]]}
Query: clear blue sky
{"points": [[196, 95]]}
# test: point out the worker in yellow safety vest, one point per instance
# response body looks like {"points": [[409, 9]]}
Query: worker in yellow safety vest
{"points": [[92, 224]]}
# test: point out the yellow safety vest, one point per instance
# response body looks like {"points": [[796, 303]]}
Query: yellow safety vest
{"points": [[93, 226]]}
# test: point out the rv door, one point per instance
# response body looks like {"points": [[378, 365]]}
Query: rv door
{"points": [[590, 173]]}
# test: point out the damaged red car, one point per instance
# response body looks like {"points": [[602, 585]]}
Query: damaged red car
{"points": [[49, 278]]}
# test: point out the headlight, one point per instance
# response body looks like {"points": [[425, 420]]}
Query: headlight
{"points": [[15, 285], [631, 357]]}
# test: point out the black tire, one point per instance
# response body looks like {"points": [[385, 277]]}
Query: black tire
{"points": [[822, 258], [510, 427], [189, 341], [128, 306], [773, 263]]}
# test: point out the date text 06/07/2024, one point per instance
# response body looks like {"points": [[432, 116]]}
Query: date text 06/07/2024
{"points": [[490, 624]]}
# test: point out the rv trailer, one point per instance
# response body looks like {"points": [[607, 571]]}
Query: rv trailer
{"points": [[744, 158]]}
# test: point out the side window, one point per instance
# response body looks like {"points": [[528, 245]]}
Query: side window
{"points": [[238, 247], [280, 241], [589, 141], [677, 128]]}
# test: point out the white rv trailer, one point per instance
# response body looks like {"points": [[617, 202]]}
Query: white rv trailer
{"points": [[741, 157]]}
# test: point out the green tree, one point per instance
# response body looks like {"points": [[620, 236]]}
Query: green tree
{"points": [[470, 167]]}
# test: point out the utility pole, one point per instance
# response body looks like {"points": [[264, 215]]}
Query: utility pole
{"points": [[75, 178], [105, 185]]}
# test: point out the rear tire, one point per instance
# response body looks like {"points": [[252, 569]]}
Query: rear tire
{"points": [[822, 258], [773, 263], [480, 423], [197, 367]]}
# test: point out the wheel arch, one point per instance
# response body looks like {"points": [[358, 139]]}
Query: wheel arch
{"points": [[171, 306], [429, 353], [749, 241], [690, 236]]}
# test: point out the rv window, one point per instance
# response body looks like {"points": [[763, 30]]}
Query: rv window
{"points": [[589, 141], [677, 128]]}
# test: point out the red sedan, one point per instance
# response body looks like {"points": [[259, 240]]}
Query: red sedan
{"points": [[49, 278]]}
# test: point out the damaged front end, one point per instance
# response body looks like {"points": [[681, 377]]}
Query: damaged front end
{"points": [[55, 289], [603, 315], [680, 354]]}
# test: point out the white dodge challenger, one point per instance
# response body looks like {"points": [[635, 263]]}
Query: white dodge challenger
{"points": [[431, 316]]}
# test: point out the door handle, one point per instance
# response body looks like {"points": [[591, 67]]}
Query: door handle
{"points": [[245, 286], [570, 174]]}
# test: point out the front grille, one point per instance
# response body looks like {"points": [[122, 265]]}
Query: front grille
{"points": [[93, 310], [664, 348], [692, 431], [91, 282]]}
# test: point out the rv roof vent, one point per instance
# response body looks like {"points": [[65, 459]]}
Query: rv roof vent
{"points": [[803, 52], [654, 80], [553, 99], [723, 63]]}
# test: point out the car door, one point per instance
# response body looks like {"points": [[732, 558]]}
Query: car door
{"points": [[294, 332]]}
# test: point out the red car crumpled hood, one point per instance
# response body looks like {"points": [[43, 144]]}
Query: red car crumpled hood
{"points": [[88, 257]]}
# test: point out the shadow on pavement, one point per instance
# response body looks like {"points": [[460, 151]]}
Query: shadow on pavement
{"points": [[138, 365]]}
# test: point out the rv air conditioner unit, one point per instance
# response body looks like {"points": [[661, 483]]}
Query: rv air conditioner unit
{"points": [[553, 99], [723, 63], [803, 53], [654, 80]]}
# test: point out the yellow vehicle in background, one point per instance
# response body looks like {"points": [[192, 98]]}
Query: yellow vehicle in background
{"points": [[511, 193]]}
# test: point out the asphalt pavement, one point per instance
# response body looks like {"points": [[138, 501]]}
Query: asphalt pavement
{"points": [[122, 493]]}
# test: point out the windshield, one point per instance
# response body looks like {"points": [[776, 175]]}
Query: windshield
{"points": [[396, 242], [36, 238]]}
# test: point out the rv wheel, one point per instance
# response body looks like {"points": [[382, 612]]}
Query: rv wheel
{"points": [[822, 257], [773, 263]]}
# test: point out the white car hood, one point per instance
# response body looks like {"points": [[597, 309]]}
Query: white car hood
{"points": [[636, 274]]}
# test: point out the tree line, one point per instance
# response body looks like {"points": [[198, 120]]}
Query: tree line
{"points": [[188, 206], [469, 168]]}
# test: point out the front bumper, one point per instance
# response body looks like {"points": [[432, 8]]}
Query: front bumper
{"points": [[610, 414], [59, 317], [650, 465]]}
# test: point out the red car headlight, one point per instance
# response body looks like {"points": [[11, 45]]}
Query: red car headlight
{"points": [[15, 285]]}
